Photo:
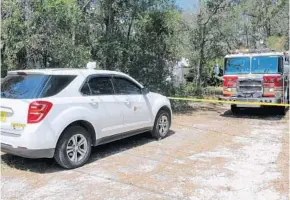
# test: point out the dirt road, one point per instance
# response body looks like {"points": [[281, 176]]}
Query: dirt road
{"points": [[210, 154]]}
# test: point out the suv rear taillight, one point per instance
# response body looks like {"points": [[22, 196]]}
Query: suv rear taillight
{"points": [[37, 111], [272, 85]]}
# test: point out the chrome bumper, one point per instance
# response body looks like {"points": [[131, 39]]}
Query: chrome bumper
{"points": [[258, 100]]}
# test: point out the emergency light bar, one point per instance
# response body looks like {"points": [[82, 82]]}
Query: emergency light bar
{"points": [[240, 51]]}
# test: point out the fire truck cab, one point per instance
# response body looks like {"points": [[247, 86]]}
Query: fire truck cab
{"points": [[256, 76]]}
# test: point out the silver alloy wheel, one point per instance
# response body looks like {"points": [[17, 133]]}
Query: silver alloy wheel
{"points": [[77, 148], [163, 125]]}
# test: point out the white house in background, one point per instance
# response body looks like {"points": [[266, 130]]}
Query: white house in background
{"points": [[179, 71]]}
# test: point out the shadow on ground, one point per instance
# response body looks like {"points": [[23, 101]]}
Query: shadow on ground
{"points": [[269, 113], [98, 153], [266, 113], [195, 107]]}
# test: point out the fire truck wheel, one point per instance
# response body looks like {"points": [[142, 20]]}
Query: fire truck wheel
{"points": [[282, 110], [234, 109]]}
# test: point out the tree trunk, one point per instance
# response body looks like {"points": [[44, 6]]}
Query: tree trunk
{"points": [[109, 25], [126, 50], [27, 11], [268, 23], [247, 37], [201, 57]]}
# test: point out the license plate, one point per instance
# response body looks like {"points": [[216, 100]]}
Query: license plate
{"points": [[3, 116]]}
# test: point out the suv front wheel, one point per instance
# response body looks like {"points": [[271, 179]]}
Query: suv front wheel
{"points": [[161, 125], [74, 147]]}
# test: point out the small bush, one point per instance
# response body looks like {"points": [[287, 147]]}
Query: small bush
{"points": [[191, 91]]}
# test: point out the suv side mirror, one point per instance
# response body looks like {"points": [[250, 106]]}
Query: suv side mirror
{"points": [[145, 90]]}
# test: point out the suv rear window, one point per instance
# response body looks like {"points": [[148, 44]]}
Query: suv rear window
{"points": [[33, 85]]}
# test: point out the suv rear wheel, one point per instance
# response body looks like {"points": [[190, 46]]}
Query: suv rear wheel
{"points": [[74, 147], [161, 125]]}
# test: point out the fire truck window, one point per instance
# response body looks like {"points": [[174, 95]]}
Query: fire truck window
{"points": [[265, 64], [280, 66], [237, 65]]}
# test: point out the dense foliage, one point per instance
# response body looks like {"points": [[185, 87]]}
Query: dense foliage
{"points": [[144, 38]]}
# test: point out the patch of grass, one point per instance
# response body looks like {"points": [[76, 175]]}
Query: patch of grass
{"points": [[191, 91]]}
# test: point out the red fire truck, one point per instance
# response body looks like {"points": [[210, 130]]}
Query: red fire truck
{"points": [[256, 76]]}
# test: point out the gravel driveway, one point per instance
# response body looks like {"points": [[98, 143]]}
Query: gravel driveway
{"points": [[210, 154]]}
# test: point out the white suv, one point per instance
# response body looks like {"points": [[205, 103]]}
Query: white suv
{"points": [[62, 113]]}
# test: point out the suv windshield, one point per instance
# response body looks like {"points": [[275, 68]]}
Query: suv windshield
{"points": [[237, 65], [265, 64], [29, 86]]}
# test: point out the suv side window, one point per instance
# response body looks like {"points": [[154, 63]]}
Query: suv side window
{"points": [[56, 83], [125, 86], [86, 89], [98, 86]]}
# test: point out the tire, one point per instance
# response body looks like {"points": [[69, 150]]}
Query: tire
{"points": [[282, 110], [287, 99], [66, 143], [160, 117], [234, 109]]}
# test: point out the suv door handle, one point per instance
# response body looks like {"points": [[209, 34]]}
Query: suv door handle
{"points": [[94, 102], [127, 101]]}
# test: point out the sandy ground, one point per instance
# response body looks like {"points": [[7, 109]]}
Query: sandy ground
{"points": [[209, 154]]}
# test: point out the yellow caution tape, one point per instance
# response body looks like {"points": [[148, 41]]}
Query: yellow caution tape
{"points": [[229, 102]]}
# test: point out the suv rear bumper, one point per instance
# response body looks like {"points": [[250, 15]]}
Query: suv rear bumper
{"points": [[27, 153], [257, 100]]}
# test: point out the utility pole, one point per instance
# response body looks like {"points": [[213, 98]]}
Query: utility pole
{"points": [[199, 9]]}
